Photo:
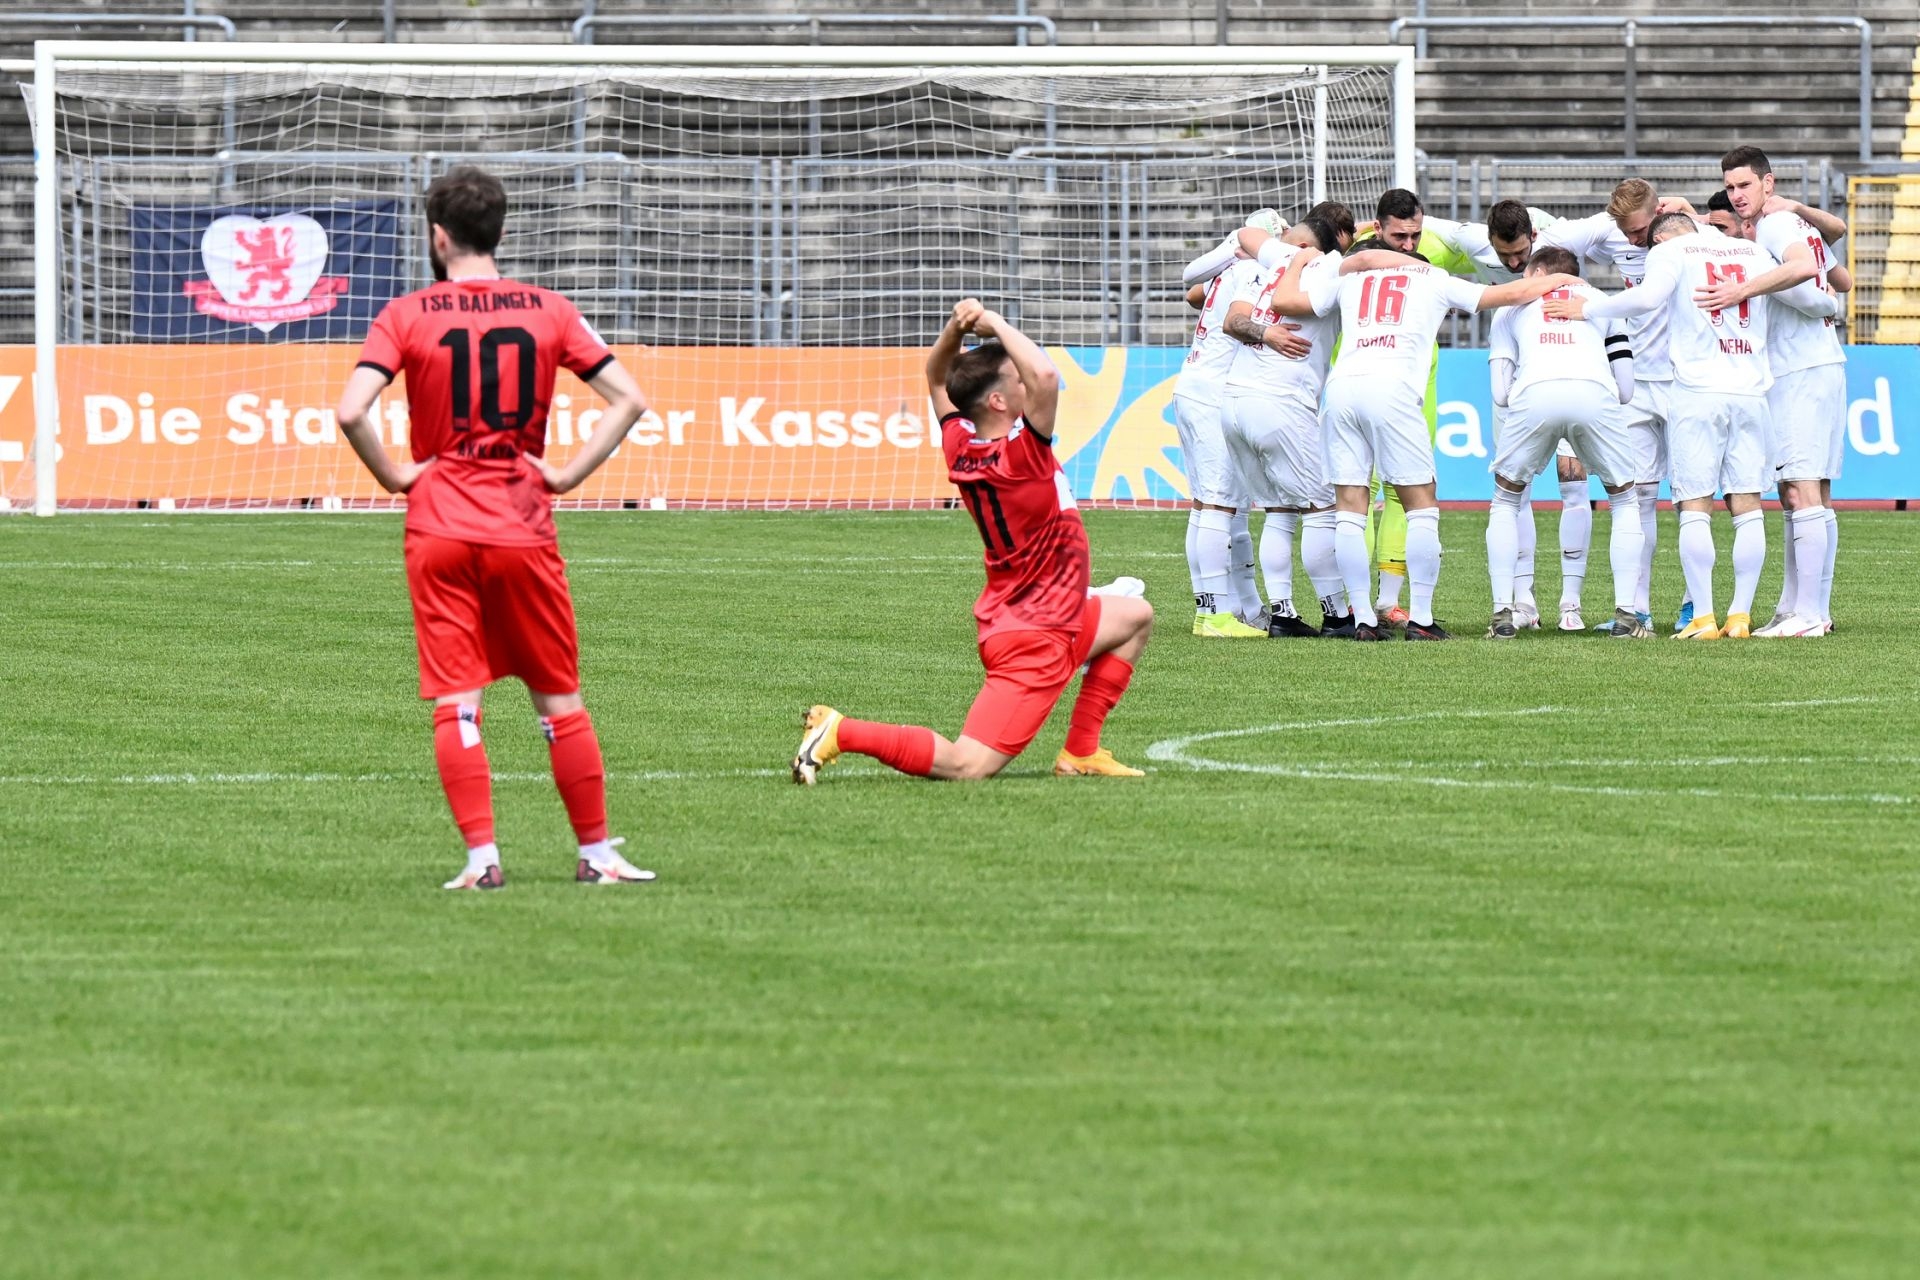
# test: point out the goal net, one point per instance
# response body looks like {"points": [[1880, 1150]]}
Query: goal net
{"points": [[768, 237]]}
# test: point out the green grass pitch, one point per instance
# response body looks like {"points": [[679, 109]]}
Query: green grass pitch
{"points": [[1565, 958]]}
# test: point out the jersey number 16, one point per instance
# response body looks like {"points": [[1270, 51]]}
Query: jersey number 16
{"points": [[1385, 304]]}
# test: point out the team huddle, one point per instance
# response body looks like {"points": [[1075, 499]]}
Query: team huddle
{"points": [[1718, 370]]}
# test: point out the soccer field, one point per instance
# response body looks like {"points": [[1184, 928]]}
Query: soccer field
{"points": [[1566, 957]]}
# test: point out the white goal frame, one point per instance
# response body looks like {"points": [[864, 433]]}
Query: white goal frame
{"points": [[51, 55]]}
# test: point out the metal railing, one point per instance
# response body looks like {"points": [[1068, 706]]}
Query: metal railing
{"points": [[188, 21], [1629, 31], [1021, 22]]}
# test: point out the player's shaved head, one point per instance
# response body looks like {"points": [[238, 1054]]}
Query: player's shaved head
{"points": [[1632, 209], [976, 375], [1552, 261], [1510, 232], [470, 205], [1326, 238], [1669, 225], [1337, 216]]}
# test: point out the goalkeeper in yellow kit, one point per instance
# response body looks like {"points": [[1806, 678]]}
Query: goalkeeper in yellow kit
{"points": [[1399, 223]]}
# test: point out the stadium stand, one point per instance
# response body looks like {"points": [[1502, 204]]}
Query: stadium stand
{"points": [[1490, 102]]}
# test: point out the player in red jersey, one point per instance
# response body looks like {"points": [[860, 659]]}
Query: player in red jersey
{"points": [[1037, 623], [489, 588]]}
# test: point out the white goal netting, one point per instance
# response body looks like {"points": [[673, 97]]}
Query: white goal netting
{"points": [[768, 248]]}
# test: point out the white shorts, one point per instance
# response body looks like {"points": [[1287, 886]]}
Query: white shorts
{"points": [[1211, 478], [1719, 444], [1647, 416], [1808, 409], [1560, 411], [1275, 443], [1365, 430]]}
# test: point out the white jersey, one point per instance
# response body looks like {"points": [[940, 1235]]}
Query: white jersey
{"points": [[1211, 355], [1262, 369], [1723, 353], [1599, 241], [1796, 340], [1389, 320], [1472, 240], [1543, 349]]}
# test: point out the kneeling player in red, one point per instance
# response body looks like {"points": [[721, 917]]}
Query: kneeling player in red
{"points": [[1037, 623], [489, 588]]}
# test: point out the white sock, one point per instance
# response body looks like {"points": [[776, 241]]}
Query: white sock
{"points": [[1350, 552], [1323, 563], [1576, 532], [1503, 538], [1215, 594], [1696, 559], [1826, 577], [599, 851], [482, 856], [1193, 547], [1526, 538], [1650, 533], [1246, 591], [1623, 549], [1276, 556], [1790, 574], [1806, 549], [1390, 584], [1423, 562], [1749, 557]]}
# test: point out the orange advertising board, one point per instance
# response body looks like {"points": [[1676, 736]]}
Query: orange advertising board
{"points": [[255, 423]]}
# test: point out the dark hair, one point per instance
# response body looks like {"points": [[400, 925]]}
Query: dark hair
{"points": [[1509, 220], [974, 375], [1719, 203], [1554, 261], [1335, 215], [470, 205], [1325, 238], [1415, 254], [1668, 222], [1398, 203], [1746, 158]]}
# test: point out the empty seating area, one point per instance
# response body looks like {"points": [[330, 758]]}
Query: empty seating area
{"points": [[691, 218]]}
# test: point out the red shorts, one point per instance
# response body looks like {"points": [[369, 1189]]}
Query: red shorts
{"points": [[1027, 671], [481, 613]]}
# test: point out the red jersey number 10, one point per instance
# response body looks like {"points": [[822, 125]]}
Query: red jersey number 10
{"points": [[1385, 304], [1728, 273], [492, 413]]}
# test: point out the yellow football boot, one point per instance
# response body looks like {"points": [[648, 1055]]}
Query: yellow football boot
{"points": [[1100, 764], [1224, 626], [1739, 627], [1703, 627], [819, 743]]}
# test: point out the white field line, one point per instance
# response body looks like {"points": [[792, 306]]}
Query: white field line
{"points": [[667, 563], [1179, 752]]}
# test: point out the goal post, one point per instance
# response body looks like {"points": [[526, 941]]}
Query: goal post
{"points": [[768, 236]]}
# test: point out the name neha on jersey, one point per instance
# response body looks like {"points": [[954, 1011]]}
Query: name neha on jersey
{"points": [[511, 300], [1735, 347]]}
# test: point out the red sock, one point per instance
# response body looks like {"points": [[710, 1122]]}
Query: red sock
{"points": [[464, 772], [578, 772], [1100, 691], [906, 747]]}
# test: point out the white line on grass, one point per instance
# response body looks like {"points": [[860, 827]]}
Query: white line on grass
{"points": [[1179, 752]]}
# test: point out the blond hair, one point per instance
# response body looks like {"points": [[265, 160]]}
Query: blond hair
{"points": [[1631, 196]]}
